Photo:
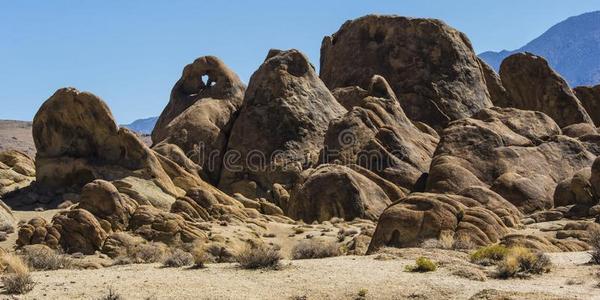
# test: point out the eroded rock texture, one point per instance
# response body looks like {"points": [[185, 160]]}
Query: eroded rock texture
{"points": [[280, 127], [430, 66], [17, 170], [518, 154], [377, 135], [200, 113], [533, 85], [590, 99]]}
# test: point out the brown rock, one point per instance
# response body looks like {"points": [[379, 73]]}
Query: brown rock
{"points": [[103, 200], [156, 225], [532, 84], [201, 112], [431, 67], [518, 154], [377, 135], [77, 141], [280, 127], [337, 191], [79, 231], [423, 216], [590, 99]]}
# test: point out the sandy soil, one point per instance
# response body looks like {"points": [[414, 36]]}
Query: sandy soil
{"points": [[16, 135], [330, 278]]}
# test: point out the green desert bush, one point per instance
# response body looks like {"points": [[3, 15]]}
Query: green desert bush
{"points": [[315, 249], [422, 264], [258, 257], [489, 255]]}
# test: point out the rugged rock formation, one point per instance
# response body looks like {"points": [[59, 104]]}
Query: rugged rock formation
{"points": [[518, 154], [423, 216], [77, 141], [590, 99], [533, 85], [377, 135], [431, 67], [337, 191], [200, 113], [17, 171], [498, 93], [280, 126]]}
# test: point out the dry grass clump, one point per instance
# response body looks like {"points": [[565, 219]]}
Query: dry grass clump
{"points": [[178, 258], [258, 257], [148, 253], [315, 249], [201, 256], [422, 264], [40, 257], [220, 253], [522, 262], [111, 294], [489, 255], [595, 245], [17, 280]]}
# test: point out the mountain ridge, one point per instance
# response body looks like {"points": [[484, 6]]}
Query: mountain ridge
{"points": [[572, 47]]}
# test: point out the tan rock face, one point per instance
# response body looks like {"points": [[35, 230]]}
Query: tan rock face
{"points": [[590, 99], [337, 191], [533, 85], [77, 141], [281, 124], [103, 200], [17, 170], [200, 113], [430, 66], [423, 216], [377, 135], [518, 154]]}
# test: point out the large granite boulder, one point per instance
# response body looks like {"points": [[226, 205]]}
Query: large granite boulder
{"points": [[423, 216], [533, 85], [590, 99], [280, 126], [377, 135], [521, 155], [17, 170], [200, 113], [431, 67], [337, 191], [77, 141]]}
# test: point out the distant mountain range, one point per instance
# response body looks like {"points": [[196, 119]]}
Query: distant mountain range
{"points": [[572, 48], [143, 126]]}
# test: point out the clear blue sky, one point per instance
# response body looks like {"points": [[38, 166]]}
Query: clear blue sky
{"points": [[130, 53]]}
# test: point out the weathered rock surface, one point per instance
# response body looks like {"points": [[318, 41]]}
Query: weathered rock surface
{"points": [[17, 170], [102, 199], [200, 113], [337, 191], [590, 99], [422, 216], [280, 126], [518, 154], [377, 135], [430, 66], [77, 141], [533, 85]]}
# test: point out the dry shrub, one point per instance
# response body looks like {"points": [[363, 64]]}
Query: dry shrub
{"points": [[178, 259], [315, 249], [17, 280], [522, 262], [422, 264], [489, 255], [595, 245], [200, 255], [39, 257], [258, 257], [111, 294], [220, 253], [148, 253]]}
